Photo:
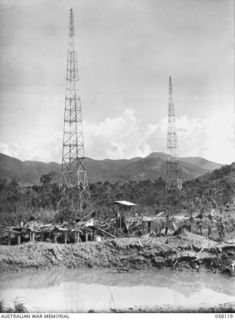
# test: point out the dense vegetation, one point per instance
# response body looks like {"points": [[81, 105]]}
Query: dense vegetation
{"points": [[44, 201], [18, 307]]}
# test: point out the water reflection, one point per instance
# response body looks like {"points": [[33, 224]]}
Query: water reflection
{"points": [[82, 290]]}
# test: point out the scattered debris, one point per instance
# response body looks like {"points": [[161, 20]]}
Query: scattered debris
{"points": [[118, 225]]}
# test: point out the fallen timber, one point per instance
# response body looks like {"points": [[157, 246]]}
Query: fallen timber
{"points": [[94, 229], [135, 242], [74, 231]]}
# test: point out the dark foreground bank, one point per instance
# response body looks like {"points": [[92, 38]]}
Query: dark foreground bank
{"points": [[185, 251]]}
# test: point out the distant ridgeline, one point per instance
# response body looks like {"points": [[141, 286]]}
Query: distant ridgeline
{"points": [[40, 201], [151, 168]]}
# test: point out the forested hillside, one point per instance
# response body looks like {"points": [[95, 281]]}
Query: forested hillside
{"points": [[151, 168], [40, 201]]}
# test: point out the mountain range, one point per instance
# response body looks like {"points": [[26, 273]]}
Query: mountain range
{"points": [[151, 167]]}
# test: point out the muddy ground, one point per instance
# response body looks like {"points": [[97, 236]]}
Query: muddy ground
{"points": [[225, 307], [185, 251]]}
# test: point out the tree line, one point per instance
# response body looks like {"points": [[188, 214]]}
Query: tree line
{"points": [[42, 201]]}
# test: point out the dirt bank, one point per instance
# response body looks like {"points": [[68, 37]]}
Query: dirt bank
{"points": [[186, 251], [225, 307]]}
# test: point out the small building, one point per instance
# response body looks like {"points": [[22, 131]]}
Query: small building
{"points": [[124, 205]]}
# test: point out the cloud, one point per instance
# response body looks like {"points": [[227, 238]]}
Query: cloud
{"points": [[126, 51], [220, 137], [47, 152], [212, 138], [4, 148], [115, 138], [189, 132], [125, 137]]}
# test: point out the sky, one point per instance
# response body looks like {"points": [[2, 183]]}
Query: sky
{"points": [[127, 49]]}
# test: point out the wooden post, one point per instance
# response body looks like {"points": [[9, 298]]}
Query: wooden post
{"points": [[75, 237], [55, 238], [9, 238], [31, 236], [86, 235], [149, 226], [94, 234], [18, 238], [65, 236], [42, 236]]}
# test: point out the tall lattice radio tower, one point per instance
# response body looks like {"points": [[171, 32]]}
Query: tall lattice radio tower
{"points": [[73, 172], [173, 179]]}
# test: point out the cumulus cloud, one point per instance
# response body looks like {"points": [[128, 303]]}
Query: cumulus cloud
{"points": [[38, 151], [124, 137], [4, 148], [115, 138], [220, 137], [212, 138]]}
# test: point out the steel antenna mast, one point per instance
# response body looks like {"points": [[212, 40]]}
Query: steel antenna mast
{"points": [[73, 172], [173, 180]]}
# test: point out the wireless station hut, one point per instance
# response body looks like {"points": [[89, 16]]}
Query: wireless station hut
{"points": [[124, 205]]}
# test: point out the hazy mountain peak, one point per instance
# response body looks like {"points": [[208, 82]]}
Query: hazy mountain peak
{"points": [[151, 167]]}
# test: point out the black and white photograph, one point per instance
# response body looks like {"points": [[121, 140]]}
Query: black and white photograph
{"points": [[117, 157]]}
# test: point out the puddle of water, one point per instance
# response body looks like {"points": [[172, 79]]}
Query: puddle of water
{"points": [[101, 290]]}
